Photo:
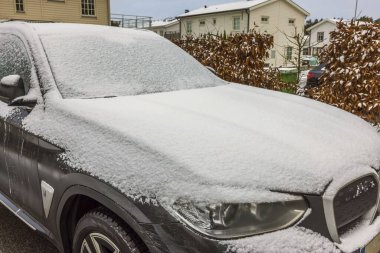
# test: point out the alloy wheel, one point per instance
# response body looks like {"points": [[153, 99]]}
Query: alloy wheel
{"points": [[98, 243]]}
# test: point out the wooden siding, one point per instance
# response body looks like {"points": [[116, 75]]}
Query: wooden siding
{"points": [[68, 11], [279, 13], [224, 23]]}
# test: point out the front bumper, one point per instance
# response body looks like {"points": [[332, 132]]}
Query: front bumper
{"points": [[311, 234], [176, 238]]}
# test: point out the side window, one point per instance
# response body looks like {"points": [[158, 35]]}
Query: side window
{"points": [[14, 59]]}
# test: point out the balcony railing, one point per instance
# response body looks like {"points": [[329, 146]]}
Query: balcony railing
{"points": [[131, 21]]}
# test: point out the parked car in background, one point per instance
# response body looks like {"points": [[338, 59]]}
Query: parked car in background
{"points": [[314, 75], [116, 140]]}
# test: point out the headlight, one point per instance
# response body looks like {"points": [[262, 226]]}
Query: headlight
{"points": [[226, 221]]}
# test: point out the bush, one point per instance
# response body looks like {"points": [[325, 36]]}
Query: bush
{"points": [[238, 58], [351, 80]]}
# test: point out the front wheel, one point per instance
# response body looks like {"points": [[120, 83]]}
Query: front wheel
{"points": [[99, 231]]}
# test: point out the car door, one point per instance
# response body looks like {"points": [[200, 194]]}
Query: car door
{"points": [[19, 177]]}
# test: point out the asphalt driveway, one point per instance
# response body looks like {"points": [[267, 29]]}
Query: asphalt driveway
{"points": [[16, 237]]}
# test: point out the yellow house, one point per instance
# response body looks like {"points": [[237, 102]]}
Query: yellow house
{"points": [[68, 11]]}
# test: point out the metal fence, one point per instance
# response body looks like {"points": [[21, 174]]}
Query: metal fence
{"points": [[131, 21]]}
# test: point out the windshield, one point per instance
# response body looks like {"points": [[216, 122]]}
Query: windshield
{"points": [[103, 61]]}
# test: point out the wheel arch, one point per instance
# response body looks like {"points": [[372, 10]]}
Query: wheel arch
{"points": [[69, 209]]}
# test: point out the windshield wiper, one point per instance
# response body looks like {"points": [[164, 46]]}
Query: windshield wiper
{"points": [[100, 97]]}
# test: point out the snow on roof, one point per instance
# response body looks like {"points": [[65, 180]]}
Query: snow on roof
{"points": [[160, 23], [334, 21], [241, 5], [235, 6]]}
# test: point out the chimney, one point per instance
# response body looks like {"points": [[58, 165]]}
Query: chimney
{"points": [[187, 11]]}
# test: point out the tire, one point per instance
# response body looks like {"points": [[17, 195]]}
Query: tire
{"points": [[99, 231]]}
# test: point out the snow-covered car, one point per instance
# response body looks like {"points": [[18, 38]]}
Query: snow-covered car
{"points": [[116, 140]]}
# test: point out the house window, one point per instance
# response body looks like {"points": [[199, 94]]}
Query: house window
{"points": [[88, 7], [202, 22], [289, 53], [189, 27], [265, 20], [305, 51], [273, 54], [320, 36], [20, 6], [236, 24], [317, 51], [162, 33], [292, 21], [214, 21]]}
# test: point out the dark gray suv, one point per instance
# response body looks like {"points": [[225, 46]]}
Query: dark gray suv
{"points": [[116, 140]]}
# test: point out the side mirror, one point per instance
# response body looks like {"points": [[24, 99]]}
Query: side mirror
{"points": [[11, 87]]}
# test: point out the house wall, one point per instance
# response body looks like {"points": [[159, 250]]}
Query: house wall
{"points": [[279, 13], [224, 22], [68, 11], [174, 28], [327, 28]]}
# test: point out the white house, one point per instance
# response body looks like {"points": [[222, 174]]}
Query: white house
{"points": [[167, 28], [320, 35], [276, 17]]}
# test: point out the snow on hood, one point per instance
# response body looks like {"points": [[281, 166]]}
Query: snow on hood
{"points": [[230, 143]]}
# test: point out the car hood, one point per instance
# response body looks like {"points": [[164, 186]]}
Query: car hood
{"points": [[227, 143]]}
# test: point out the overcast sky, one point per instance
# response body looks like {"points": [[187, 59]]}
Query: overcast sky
{"points": [[159, 9]]}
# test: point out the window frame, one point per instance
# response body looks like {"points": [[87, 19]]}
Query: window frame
{"points": [[236, 26], [273, 54], [189, 27], [85, 8], [265, 21], [20, 6], [289, 53], [292, 21], [320, 38]]}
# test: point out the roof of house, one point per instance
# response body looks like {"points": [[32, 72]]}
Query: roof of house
{"points": [[330, 20], [235, 6], [164, 23]]}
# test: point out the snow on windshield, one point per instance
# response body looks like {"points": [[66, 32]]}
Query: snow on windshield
{"points": [[103, 61]]}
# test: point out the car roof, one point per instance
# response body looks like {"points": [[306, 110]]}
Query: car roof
{"points": [[62, 28]]}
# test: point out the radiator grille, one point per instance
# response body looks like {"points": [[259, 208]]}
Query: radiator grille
{"points": [[354, 200]]}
